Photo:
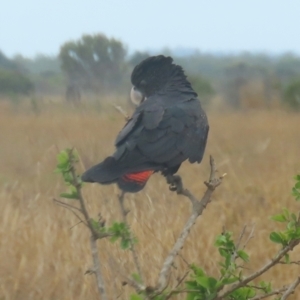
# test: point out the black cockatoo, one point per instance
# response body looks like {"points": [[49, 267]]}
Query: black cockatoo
{"points": [[168, 127]]}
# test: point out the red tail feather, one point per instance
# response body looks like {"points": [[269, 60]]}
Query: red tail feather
{"points": [[134, 182], [140, 177]]}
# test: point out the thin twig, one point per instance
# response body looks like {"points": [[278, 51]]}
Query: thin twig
{"points": [[290, 263], [97, 269], [240, 237], [67, 204], [251, 235], [182, 278], [75, 225], [132, 248], [234, 255], [198, 208], [277, 292], [122, 111], [69, 207], [185, 261], [291, 289], [180, 292]]}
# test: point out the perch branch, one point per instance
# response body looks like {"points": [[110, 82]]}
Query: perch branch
{"points": [[198, 208]]}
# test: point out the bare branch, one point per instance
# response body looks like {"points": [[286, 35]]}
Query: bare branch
{"points": [[198, 208], [97, 269], [291, 289], [132, 248]]}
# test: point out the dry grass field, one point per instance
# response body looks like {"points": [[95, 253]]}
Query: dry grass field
{"points": [[42, 256]]}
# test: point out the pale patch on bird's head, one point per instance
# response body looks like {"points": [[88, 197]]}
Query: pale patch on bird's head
{"points": [[136, 96]]}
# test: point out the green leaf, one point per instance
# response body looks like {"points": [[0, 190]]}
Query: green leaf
{"points": [[286, 213], [223, 252], [287, 259], [276, 238], [291, 225], [243, 255], [294, 217], [296, 234], [125, 244], [114, 238], [279, 218], [207, 282], [95, 224], [243, 293], [194, 296], [197, 271], [266, 286], [191, 284], [229, 280], [68, 178], [136, 297], [297, 185], [220, 240], [63, 157], [203, 281], [69, 195], [136, 277]]}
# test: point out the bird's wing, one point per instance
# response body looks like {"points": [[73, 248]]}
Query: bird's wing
{"points": [[163, 135]]}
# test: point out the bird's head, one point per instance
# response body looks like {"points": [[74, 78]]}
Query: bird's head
{"points": [[156, 74]]}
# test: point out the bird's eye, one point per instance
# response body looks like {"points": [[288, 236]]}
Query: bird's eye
{"points": [[136, 96]]}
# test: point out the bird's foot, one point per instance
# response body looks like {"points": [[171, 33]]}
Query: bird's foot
{"points": [[175, 183]]}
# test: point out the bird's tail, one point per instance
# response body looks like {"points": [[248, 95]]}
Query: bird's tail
{"points": [[110, 171]]}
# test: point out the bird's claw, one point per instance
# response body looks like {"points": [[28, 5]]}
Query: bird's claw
{"points": [[175, 183]]}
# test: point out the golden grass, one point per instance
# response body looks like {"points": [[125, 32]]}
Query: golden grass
{"points": [[42, 258]]}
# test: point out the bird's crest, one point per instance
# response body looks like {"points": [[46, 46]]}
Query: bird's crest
{"points": [[158, 73]]}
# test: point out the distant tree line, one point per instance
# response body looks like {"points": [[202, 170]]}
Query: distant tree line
{"points": [[101, 65]]}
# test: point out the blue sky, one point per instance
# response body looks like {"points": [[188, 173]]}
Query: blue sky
{"points": [[29, 27]]}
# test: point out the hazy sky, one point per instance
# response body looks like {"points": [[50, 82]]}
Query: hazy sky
{"points": [[41, 26]]}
